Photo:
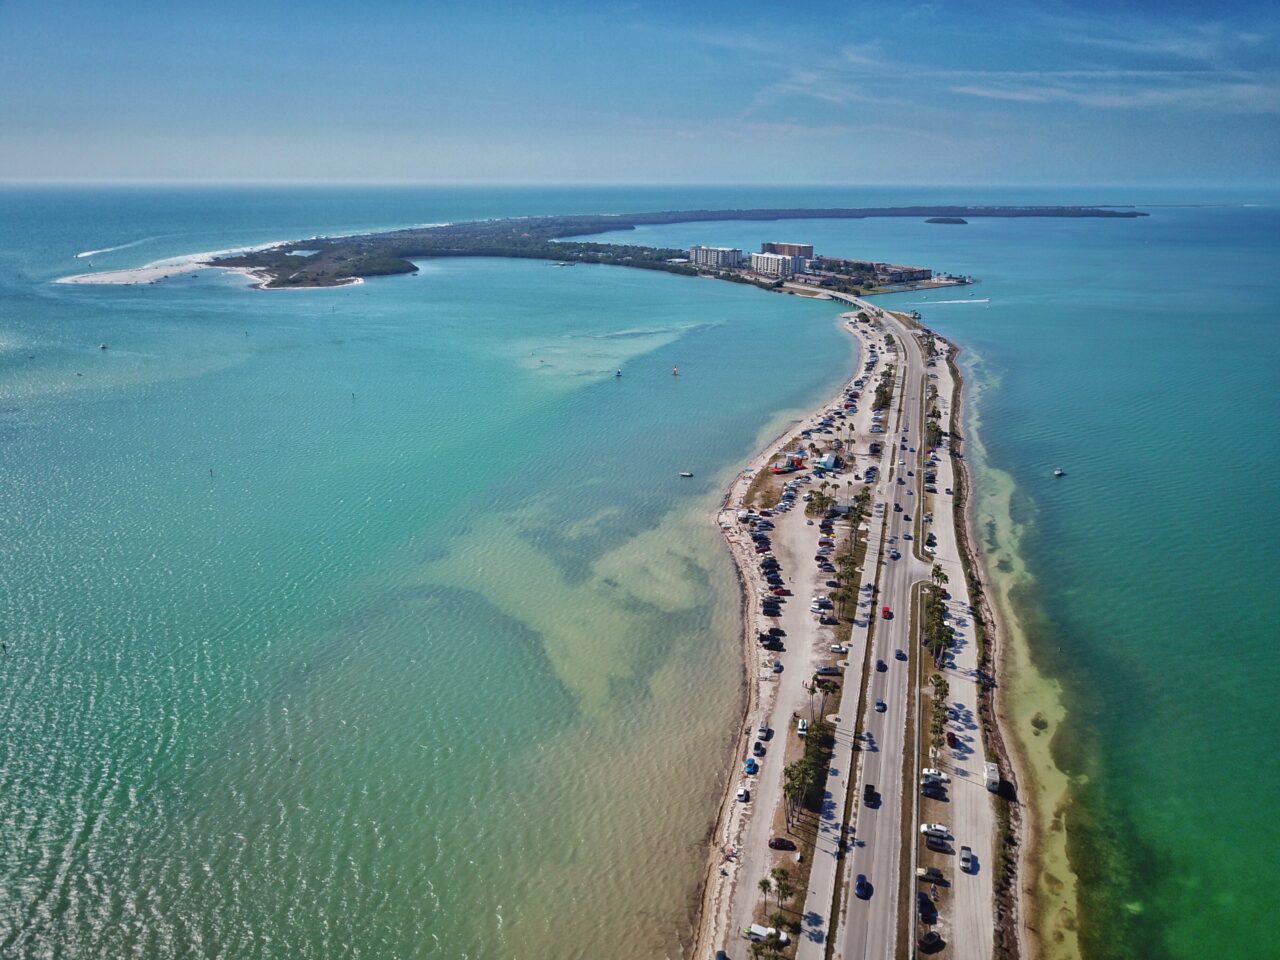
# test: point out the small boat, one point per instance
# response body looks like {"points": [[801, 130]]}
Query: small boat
{"points": [[1059, 472], [618, 374], [685, 473], [102, 346]]}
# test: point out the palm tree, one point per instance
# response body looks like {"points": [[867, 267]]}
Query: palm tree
{"points": [[765, 887], [785, 890], [781, 879]]}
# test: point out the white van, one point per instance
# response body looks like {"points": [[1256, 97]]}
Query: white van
{"points": [[757, 932]]}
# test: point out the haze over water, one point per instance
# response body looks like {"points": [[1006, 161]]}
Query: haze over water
{"points": [[441, 659]]}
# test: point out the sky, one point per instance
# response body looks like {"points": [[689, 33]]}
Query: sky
{"points": [[942, 93]]}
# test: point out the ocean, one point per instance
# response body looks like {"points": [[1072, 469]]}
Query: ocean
{"points": [[377, 621]]}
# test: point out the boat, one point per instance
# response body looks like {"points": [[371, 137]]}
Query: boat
{"points": [[618, 374], [685, 473], [102, 346], [1059, 472]]}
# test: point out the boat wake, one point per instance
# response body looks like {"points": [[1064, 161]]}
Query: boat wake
{"points": [[930, 303], [123, 246]]}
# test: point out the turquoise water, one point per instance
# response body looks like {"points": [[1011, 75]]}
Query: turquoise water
{"points": [[440, 659], [1141, 357]]}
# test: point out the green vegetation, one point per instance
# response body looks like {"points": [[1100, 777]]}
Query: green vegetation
{"points": [[884, 390], [804, 781], [340, 259], [936, 631], [938, 718]]}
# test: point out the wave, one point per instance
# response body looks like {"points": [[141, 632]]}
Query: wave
{"points": [[123, 246]]}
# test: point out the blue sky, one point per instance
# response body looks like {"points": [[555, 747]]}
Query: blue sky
{"points": [[928, 93]]}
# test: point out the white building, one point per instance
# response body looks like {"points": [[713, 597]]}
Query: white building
{"points": [[776, 264], [715, 258]]}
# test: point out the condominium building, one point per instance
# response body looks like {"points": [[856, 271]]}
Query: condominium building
{"points": [[776, 264], [715, 258], [789, 249]]}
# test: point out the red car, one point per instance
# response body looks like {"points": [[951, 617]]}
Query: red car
{"points": [[781, 592], [886, 613], [951, 740]]}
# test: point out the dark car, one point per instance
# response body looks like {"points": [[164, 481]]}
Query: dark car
{"points": [[862, 888], [869, 792], [777, 632], [881, 666], [952, 740], [758, 749], [928, 912], [781, 843], [897, 508]]}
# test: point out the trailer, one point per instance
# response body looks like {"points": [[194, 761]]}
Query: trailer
{"points": [[991, 773]]}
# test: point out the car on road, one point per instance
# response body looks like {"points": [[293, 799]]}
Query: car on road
{"points": [[869, 792], [966, 859], [907, 536], [880, 706], [802, 727], [897, 508], [948, 491], [781, 843], [886, 613], [862, 888], [881, 666], [900, 654], [935, 830], [743, 795], [894, 555]]}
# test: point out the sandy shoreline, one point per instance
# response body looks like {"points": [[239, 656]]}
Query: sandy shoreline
{"points": [[1045, 895], [185, 265], [712, 924]]}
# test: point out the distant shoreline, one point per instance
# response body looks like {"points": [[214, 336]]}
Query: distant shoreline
{"points": [[338, 261]]}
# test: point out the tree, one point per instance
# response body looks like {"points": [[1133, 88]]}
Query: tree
{"points": [[765, 886], [781, 881]]}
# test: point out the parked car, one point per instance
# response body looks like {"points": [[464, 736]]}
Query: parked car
{"points": [[777, 666], [952, 739], [966, 859], [758, 749], [802, 727], [743, 795], [751, 767], [781, 843], [935, 829]]}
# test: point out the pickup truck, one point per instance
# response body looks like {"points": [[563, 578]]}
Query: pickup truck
{"points": [[930, 875]]}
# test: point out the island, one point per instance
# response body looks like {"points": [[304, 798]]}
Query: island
{"points": [[334, 261]]}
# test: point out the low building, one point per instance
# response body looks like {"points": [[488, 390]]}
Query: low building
{"points": [[776, 264], [715, 258], [804, 250]]}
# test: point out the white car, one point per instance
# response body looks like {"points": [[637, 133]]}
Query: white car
{"points": [[930, 773], [743, 794], [935, 830], [966, 859], [802, 727]]}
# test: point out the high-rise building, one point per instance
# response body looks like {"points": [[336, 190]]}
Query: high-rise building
{"points": [[789, 249], [776, 264], [715, 258]]}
